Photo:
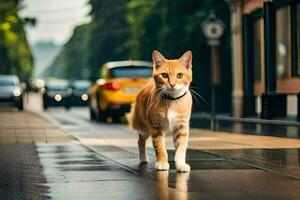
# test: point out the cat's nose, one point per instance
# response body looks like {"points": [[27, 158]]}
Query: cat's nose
{"points": [[172, 85]]}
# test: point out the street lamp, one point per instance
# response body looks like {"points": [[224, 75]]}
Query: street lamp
{"points": [[213, 30]]}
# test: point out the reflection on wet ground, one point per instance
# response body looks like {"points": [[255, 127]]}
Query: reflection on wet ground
{"points": [[283, 161], [72, 171], [21, 173], [75, 172], [216, 174], [213, 176]]}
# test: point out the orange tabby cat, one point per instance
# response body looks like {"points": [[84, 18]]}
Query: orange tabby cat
{"points": [[164, 106]]}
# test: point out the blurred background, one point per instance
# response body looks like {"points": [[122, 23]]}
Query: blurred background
{"points": [[72, 40]]}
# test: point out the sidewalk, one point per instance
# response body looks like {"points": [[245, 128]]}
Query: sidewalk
{"points": [[21, 172], [274, 154], [273, 161], [224, 165], [40, 161], [27, 127]]}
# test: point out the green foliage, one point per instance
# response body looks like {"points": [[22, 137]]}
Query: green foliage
{"points": [[134, 28], [91, 45], [15, 54], [71, 62], [172, 27], [109, 33]]}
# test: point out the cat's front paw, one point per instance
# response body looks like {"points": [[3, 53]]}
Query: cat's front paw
{"points": [[183, 167], [162, 166]]}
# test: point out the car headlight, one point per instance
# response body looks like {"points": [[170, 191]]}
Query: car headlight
{"points": [[17, 92], [43, 90], [58, 97], [84, 97], [40, 83]]}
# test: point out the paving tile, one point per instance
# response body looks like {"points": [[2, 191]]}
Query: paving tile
{"points": [[39, 139], [26, 127], [7, 140]]}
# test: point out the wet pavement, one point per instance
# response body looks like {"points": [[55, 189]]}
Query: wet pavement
{"points": [[75, 172], [21, 173], [72, 171], [281, 161], [213, 176], [218, 172], [103, 163]]}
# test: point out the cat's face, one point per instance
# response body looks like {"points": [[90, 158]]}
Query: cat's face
{"points": [[173, 77]]}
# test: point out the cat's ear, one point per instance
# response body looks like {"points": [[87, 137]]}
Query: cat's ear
{"points": [[186, 59], [158, 59]]}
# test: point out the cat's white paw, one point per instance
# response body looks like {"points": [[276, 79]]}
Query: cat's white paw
{"points": [[144, 159], [183, 167], [162, 166]]}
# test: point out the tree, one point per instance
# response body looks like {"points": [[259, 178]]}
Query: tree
{"points": [[173, 27], [109, 33], [71, 62], [15, 54], [133, 29]]}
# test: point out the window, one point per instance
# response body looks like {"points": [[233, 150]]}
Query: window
{"points": [[131, 71], [7, 81], [283, 43], [81, 85], [57, 85]]}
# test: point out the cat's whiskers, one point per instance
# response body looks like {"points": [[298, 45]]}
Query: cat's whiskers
{"points": [[198, 95], [148, 95], [159, 97], [159, 93], [192, 90], [195, 97]]}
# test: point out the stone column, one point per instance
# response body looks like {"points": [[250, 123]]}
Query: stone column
{"points": [[237, 57]]}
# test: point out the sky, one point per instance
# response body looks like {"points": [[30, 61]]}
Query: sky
{"points": [[56, 19]]}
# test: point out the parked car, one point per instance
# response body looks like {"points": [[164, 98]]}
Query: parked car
{"points": [[10, 91], [79, 92], [35, 84], [57, 93], [120, 82]]}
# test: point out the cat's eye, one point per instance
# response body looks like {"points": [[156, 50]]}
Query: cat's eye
{"points": [[164, 75], [179, 75]]}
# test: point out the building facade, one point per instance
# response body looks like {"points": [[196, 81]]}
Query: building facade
{"points": [[266, 58]]}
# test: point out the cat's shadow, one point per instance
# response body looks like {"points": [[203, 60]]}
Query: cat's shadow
{"points": [[142, 168]]}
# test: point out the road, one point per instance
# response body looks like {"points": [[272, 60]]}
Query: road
{"points": [[224, 166]]}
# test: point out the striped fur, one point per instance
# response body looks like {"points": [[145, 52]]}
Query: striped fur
{"points": [[153, 115]]}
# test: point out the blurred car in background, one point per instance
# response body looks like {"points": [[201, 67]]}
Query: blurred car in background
{"points": [[10, 91], [35, 84], [120, 82], [57, 93], [79, 92]]}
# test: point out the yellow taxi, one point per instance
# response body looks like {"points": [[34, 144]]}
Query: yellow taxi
{"points": [[117, 88]]}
